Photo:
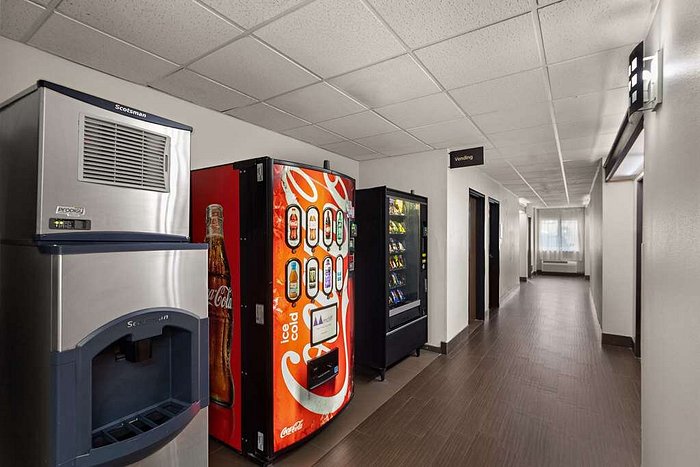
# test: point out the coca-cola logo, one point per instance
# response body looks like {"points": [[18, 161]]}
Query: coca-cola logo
{"points": [[288, 430], [221, 297]]}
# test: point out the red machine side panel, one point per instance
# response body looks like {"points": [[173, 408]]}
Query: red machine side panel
{"points": [[211, 187]]}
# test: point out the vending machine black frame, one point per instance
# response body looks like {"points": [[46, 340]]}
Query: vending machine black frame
{"points": [[256, 251], [379, 342]]}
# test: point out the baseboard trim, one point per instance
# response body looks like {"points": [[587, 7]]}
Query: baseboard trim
{"points": [[432, 348], [620, 341], [523, 279], [570, 274], [461, 337]]}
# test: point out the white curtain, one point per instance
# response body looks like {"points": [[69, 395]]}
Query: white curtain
{"points": [[561, 234]]}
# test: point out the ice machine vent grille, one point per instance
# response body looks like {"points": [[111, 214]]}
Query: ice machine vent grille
{"points": [[122, 155]]}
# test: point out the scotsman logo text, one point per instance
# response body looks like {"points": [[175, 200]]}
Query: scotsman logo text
{"points": [[127, 110]]}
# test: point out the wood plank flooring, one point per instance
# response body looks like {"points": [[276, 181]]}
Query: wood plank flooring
{"points": [[532, 387]]}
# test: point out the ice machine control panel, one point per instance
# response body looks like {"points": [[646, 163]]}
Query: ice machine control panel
{"points": [[322, 369], [69, 224]]}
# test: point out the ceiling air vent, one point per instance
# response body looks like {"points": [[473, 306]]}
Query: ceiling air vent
{"points": [[123, 155]]}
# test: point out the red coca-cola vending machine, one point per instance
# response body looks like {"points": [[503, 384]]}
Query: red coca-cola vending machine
{"points": [[281, 299]]}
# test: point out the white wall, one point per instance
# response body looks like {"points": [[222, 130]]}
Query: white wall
{"points": [[217, 138], [448, 203], [671, 250], [594, 240], [523, 244], [459, 181], [618, 236], [426, 173]]}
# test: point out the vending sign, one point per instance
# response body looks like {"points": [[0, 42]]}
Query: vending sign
{"points": [[312, 298]]}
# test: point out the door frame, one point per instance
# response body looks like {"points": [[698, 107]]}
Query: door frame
{"points": [[529, 246], [638, 270], [480, 253], [494, 253]]}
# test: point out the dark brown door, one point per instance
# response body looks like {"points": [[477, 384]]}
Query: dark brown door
{"points": [[472, 258], [494, 254]]}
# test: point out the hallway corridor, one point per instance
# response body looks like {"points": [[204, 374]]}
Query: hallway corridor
{"points": [[532, 387]]}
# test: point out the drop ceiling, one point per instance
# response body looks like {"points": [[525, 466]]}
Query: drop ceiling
{"points": [[540, 83]]}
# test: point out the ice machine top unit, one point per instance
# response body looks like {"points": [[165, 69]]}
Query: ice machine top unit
{"points": [[78, 167]]}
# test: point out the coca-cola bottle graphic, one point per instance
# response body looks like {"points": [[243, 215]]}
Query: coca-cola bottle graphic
{"points": [[293, 226], [220, 310]]}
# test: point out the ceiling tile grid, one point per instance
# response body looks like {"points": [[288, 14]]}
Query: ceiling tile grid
{"points": [[395, 80], [317, 103], [17, 17], [494, 51], [198, 89], [332, 37], [359, 125], [181, 32], [573, 28], [377, 78], [267, 116], [253, 68], [420, 22], [74, 41], [249, 14]]}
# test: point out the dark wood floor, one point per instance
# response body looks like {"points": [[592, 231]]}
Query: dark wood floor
{"points": [[532, 387]]}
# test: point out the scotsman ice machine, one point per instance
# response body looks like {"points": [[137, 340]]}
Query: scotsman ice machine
{"points": [[103, 317]]}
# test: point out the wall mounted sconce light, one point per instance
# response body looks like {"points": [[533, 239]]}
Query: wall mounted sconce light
{"points": [[645, 76]]}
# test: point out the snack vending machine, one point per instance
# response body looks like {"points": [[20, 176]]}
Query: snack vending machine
{"points": [[392, 318], [281, 299]]}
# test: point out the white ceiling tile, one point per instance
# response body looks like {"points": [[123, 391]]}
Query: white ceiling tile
{"points": [[268, 117], [529, 150], [512, 119], [420, 22], [253, 68], [179, 31], [17, 17], [510, 91], [332, 37], [74, 41], [460, 131], [395, 80], [580, 27], [349, 149], [583, 128], [359, 125], [422, 111], [607, 70], [249, 14], [498, 50], [393, 144], [588, 148], [190, 86], [313, 134], [590, 106], [317, 103], [538, 134]]}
